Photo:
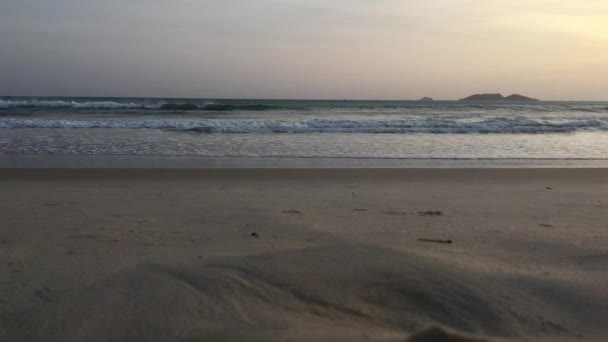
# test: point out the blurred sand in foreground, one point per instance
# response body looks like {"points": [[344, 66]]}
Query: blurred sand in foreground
{"points": [[265, 255]]}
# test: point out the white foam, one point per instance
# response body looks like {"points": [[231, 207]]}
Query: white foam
{"points": [[436, 125], [75, 104]]}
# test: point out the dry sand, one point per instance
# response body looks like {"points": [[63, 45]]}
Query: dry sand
{"points": [[263, 255]]}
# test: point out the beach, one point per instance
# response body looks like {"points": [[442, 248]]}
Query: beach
{"points": [[303, 254]]}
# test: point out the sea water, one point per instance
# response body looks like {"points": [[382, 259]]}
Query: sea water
{"points": [[304, 129]]}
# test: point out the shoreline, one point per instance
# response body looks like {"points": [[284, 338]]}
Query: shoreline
{"points": [[527, 175], [38, 161]]}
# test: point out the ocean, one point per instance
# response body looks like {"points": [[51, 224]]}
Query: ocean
{"points": [[405, 130]]}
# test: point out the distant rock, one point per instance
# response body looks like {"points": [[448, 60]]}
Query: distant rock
{"points": [[426, 99], [484, 97], [498, 98], [520, 98]]}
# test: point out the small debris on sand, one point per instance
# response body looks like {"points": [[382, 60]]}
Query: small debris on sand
{"points": [[436, 241], [44, 294], [549, 188], [360, 210], [395, 213], [430, 213], [255, 235], [291, 212]]}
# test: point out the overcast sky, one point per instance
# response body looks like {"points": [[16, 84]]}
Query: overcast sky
{"points": [[366, 49]]}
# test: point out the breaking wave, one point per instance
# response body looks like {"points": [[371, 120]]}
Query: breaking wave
{"points": [[252, 107], [74, 104], [379, 107], [219, 107], [405, 126]]}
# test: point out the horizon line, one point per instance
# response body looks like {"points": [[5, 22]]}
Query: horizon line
{"points": [[283, 99]]}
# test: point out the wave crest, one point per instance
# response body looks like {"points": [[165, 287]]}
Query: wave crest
{"points": [[420, 125], [177, 106], [74, 104], [247, 107]]}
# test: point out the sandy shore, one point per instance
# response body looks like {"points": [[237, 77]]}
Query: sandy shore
{"points": [[161, 255]]}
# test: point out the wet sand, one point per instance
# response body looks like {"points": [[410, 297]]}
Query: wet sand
{"points": [[351, 254]]}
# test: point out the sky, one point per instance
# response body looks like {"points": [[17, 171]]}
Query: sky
{"points": [[316, 49]]}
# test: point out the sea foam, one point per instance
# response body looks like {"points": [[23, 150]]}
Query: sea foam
{"points": [[73, 104], [210, 106], [437, 125]]}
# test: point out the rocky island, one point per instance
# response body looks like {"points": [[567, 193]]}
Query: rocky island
{"points": [[426, 99], [498, 98]]}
